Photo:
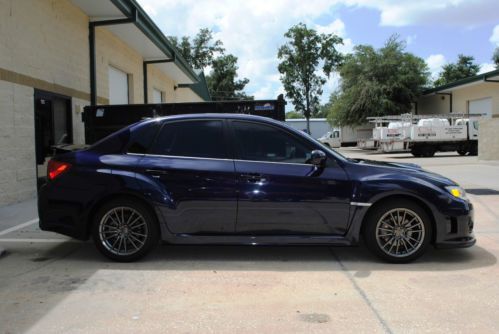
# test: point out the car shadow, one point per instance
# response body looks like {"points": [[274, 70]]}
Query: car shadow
{"points": [[289, 258]]}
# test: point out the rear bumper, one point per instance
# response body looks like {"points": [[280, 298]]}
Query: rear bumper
{"points": [[61, 216]]}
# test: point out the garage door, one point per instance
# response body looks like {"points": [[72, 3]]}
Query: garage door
{"points": [[118, 86], [481, 106], [157, 96]]}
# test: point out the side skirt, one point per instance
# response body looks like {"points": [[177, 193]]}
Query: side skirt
{"points": [[254, 240]]}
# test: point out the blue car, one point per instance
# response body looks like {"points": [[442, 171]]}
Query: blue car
{"points": [[245, 180]]}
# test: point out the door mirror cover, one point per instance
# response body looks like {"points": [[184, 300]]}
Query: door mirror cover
{"points": [[317, 158]]}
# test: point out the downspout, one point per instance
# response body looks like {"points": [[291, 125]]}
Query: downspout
{"points": [[91, 40], [144, 70]]}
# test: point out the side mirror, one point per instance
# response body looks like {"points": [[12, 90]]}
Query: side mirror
{"points": [[317, 158]]}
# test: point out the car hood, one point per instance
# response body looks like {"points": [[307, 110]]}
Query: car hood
{"points": [[404, 169]]}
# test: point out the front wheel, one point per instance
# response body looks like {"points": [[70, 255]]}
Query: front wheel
{"points": [[124, 230], [398, 231]]}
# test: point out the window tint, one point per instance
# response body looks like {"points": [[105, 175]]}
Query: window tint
{"points": [[141, 138], [203, 139], [259, 142]]}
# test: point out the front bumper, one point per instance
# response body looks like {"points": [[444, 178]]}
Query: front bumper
{"points": [[455, 230]]}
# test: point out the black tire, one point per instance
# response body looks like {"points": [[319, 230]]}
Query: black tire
{"points": [[327, 144], [428, 151], [415, 151], [129, 241], [414, 237]]}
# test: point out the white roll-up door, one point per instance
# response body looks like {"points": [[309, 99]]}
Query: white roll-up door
{"points": [[118, 86], [157, 96], [481, 106]]}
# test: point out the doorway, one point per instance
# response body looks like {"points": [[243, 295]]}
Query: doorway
{"points": [[53, 127]]}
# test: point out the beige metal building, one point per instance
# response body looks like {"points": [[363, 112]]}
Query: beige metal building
{"points": [[57, 56], [473, 95]]}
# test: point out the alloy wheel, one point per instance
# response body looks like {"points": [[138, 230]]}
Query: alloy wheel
{"points": [[123, 231], [400, 232]]}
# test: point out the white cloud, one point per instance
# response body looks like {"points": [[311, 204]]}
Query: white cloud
{"points": [[494, 39], [253, 29], [486, 67], [435, 63]]}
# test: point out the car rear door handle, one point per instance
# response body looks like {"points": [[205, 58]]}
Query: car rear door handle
{"points": [[254, 178]]}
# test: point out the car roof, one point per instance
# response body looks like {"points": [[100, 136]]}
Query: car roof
{"points": [[215, 116]]}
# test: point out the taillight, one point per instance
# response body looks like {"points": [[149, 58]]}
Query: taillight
{"points": [[56, 168]]}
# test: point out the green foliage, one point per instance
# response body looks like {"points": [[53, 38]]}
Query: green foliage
{"points": [[495, 57], [301, 57], [464, 68], [222, 81], [293, 115], [201, 52], [377, 83]]}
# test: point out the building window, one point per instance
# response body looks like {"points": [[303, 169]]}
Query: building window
{"points": [[158, 96], [118, 86]]}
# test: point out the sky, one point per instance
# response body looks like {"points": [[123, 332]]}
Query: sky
{"points": [[435, 30]]}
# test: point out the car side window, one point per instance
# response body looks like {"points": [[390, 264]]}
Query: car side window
{"points": [[141, 138], [201, 139], [259, 142]]}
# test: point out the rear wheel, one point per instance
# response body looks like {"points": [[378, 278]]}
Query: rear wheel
{"points": [[124, 230], [428, 151], [398, 231]]}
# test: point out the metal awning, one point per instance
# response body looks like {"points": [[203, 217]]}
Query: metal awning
{"points": [[142, 35]]}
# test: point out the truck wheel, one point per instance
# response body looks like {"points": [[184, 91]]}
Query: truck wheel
{"points": [[398, 231], [416, 151], [428, 151], [124, 230], [327, 144]]}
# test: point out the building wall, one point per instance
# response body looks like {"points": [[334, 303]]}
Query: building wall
{"points": [[433, 104], [488, 144], [160, 81], [483, 90], [186, 95]]}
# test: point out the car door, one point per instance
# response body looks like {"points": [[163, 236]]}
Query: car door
{"points": [[279, 192], [190, 162]]}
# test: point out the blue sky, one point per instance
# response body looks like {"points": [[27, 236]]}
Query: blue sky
{"points": [[435, 30]]}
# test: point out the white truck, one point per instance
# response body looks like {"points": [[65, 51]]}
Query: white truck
{"points": [[346, 135], [423, 135]]}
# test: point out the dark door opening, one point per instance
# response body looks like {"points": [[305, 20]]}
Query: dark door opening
{"points": [[53, 126]]}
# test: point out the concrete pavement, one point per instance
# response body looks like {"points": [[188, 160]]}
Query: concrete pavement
{"points": [[52, 284]]}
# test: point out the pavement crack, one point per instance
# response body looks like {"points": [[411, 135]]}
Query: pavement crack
{"points": [[362, 293]]}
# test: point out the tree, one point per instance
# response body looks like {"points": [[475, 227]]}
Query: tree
{"points": [[222, 81], [201, 52], [379, 82], [293, 115], [301, 56], [465, 67], [495, 57]]}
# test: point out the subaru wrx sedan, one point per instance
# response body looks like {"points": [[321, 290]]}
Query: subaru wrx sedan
{"points": [[245, 180]]}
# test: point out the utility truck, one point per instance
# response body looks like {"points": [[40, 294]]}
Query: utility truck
{"points": [[424, 135], [346, 135]]}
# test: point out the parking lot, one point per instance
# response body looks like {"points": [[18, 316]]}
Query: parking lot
{"points": [[52, 284]]}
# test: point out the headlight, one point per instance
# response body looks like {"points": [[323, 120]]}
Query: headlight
{"points": [[457, 192]]}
